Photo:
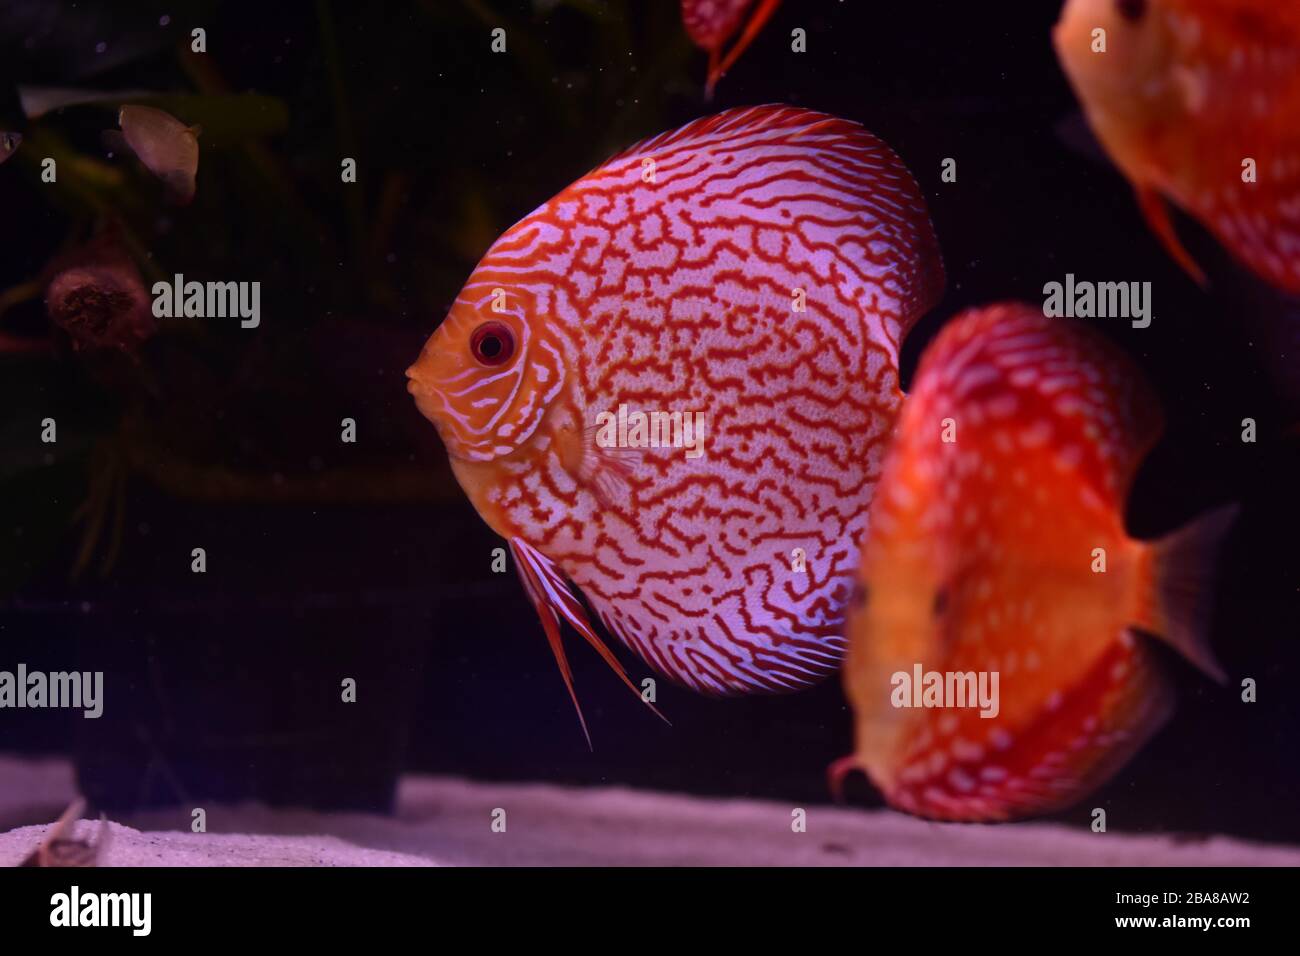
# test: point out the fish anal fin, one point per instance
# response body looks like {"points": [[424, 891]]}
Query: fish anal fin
{"points": [[1178, 588], [553, 599], [1156, 213], [1075, 743]]}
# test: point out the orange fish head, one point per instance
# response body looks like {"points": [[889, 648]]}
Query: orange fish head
{"points": [[487, 376], [898, 619], [1121, 57]]}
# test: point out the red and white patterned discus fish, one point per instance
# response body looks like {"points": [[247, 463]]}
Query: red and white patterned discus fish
{"points": [[711, 23], [994, 666], [752, 274]]}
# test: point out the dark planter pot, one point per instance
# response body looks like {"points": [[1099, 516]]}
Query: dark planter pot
{"points": [[219, 689], [207, 705]]}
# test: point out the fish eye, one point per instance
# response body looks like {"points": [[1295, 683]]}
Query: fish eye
{"points": [[492, 343], [940, 602], [1131, 10]]}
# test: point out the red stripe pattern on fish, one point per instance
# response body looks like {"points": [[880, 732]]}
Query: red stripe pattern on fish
{"points": [[710, 23], [665, 280], [1186, 92], [997, 547]]}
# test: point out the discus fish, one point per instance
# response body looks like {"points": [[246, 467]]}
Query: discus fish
{"points": [[997, 667], [168, 148], [756, 268], [710, 23], [9, 143], [1196, 101]]}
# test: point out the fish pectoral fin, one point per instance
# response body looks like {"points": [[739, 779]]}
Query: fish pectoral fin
{"points": [[1180, 591], [605, 471], [551, 595], [1156, 212]]}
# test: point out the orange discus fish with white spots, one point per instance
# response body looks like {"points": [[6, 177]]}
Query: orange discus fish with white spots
{"points": [[751, 274], [710, 23], [1198, 102], [1000, 661]]}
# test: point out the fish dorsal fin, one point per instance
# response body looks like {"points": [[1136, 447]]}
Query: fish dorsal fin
{"points": [[777, 173], [553, 599], [1066, 374]]}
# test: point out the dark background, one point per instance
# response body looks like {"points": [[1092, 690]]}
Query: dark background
{"points": [[328, 560]]}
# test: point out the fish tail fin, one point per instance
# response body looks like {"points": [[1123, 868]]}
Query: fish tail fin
{"points": [[752, 28], [1179, 586], [553, 599], [1156, 212]]}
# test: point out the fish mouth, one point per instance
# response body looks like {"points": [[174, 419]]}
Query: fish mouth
{"points": [[427, 398]]}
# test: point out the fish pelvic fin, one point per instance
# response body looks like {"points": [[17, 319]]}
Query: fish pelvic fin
{"points": [[1156, 212], [838, 771], [713, 76], [756, 23], [553, 599], [1178, 588]]}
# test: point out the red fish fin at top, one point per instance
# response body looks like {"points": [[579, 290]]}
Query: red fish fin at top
{"points": [[756, 23], [1179, 585], [553, 599], [1156, 212]]}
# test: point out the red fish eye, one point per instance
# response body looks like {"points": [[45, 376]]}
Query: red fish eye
{"points": [[1131, 10], [492, 343]]}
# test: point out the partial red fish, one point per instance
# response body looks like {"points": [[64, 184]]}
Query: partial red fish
{"points": [[711, 24], [997, 550], [757, 268], [1197, 102], [166, 146]]}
